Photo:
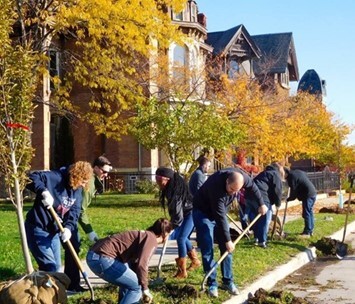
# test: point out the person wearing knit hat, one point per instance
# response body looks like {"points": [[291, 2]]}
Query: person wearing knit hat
{"points": [[175, 191]]}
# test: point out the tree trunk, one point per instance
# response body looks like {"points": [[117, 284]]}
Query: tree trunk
{"points": [[20, 220]]}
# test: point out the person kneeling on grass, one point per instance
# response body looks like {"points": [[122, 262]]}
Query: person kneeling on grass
{"points": [[122, 259]]}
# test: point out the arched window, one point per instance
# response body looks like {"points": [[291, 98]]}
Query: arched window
{"points": [[180, 62]]}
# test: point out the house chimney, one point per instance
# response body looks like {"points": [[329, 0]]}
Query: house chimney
{"points": [[202, 19]]}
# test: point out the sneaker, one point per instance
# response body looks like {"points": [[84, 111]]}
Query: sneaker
{"points": [[231, 288], [305, 235], [262, 245], [213, 291]]}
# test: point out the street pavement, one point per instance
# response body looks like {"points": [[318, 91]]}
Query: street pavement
{"points": [[340, 271], [325, 280]]}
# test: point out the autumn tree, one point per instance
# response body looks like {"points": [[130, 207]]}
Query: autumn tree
{"points": [[277, 126], [107, 37], [18, 82], [109, 44], [178, 119]]}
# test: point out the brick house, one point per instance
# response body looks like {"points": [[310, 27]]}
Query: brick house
{"points": [[60, 142]]}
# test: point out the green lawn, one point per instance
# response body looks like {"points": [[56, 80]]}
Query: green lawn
{"points": [[114, 213]]}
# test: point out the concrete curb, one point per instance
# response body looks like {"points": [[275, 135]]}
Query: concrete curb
{"points": [[270, 279]]}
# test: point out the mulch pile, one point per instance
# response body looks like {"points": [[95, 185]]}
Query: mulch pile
{"points": [[281, 297]]}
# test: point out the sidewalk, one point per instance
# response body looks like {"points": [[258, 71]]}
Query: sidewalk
{"points": [[267, 281]]}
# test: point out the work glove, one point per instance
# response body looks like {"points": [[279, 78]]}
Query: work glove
{"points": [[92, 236], [47, 200], [66, 235], [147, 296]]}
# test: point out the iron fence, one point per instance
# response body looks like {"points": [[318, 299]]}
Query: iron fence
{"points": [[324, 181]]}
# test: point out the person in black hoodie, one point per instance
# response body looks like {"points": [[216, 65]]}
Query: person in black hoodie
{"points": [[175, 190], [61, 190], [269, 183], [301, 188]]}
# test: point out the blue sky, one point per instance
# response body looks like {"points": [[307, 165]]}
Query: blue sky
{"points": [[323, 33]]}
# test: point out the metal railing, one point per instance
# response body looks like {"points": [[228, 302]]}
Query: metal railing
{"points": [[324, 181]]}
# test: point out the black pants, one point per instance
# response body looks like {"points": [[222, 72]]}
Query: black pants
{"points": [[70, 267]]}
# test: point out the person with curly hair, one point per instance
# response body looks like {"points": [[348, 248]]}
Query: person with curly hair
{"points": [[101, 167], [175, 191], [61, 190]]}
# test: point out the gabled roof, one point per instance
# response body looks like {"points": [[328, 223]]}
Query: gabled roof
{"points": [[277, 53], [223, 41], [311, 82]]}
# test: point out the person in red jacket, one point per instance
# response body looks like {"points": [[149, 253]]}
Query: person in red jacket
{"points": [[122, 259]]}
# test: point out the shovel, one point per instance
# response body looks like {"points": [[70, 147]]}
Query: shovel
{"points": [[224, 255], [275, 222], [159, 279], [74, 254], [342, 248], [236, 225], [285, 211]]}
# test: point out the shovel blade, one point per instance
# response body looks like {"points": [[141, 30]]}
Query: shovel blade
{"points": [[341, 250]]}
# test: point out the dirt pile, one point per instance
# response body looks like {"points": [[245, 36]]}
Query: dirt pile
{"points": [[281, 297], [178, 293]]}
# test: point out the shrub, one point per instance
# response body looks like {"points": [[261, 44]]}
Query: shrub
{"points": [[146, 186]]}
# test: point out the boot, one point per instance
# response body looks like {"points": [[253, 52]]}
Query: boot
{"points": [[195, 262], [181, 264]]}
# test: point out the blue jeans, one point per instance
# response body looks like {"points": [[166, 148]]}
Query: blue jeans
{"points": [[307, 214], [45, 247], [261, 227], [182, 236], [205, 230], [117, 273]]}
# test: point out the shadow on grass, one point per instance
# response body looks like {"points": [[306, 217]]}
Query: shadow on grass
{"points": [[136, 204], [8, 206], [7, 274]]}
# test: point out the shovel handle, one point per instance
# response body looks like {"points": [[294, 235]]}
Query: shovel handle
{"points": [[224, 255], [285, 211], [162, 254], [73, 253], [236, 224], [274, 227]]}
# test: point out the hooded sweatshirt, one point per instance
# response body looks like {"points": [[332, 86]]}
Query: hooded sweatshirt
{"points": [[270, 186], [67, 201]]}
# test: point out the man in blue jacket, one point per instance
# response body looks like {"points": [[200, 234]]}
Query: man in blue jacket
{"points": [[198, 177], [210, 207], [302, 188], [62, 191]]}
